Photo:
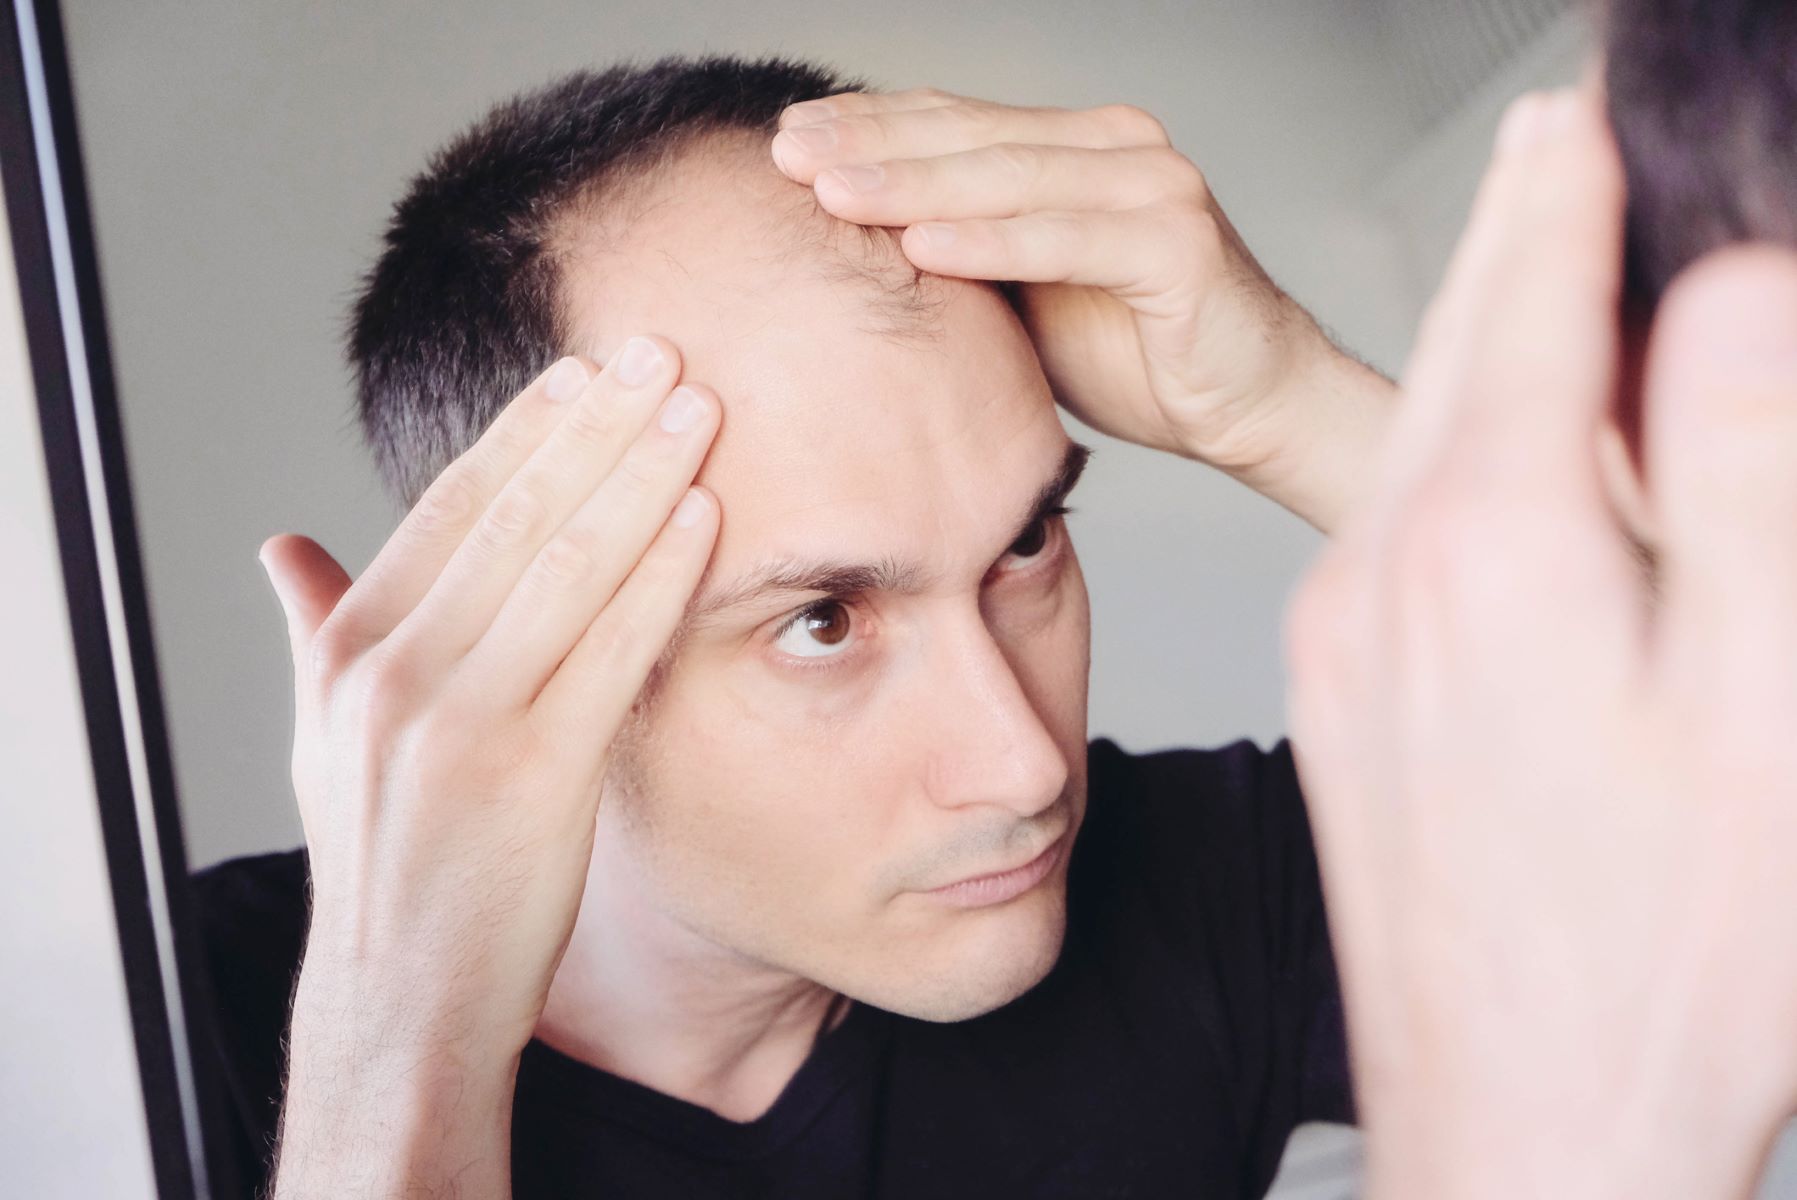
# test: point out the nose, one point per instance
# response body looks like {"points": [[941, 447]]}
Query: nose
{"points": [[989, 743]]}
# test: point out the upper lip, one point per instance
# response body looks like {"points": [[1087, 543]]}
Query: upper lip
{"points": [[1017, 866]]}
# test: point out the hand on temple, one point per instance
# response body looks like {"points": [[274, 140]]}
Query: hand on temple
{"points": [[1152, 320]]}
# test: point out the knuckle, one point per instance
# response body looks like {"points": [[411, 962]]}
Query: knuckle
{"points": [[617, 639], [327, 655], [1184, 177], [590, 423], [929, 93], [448, 504], [1135, 123], [387, 680], [857, 137], [972, 120], [637, 474], [516, 515], [565, 560], [1062, 229], [1020, 163]]}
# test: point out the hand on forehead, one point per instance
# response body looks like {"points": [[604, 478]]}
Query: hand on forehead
{"points": [[858, 396]]}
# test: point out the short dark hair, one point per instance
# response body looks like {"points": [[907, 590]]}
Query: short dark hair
{"points": [[461, 308], [1703, 100]]}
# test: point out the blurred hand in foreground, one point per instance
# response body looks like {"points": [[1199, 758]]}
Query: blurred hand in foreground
{"points": [[1556, 804]]}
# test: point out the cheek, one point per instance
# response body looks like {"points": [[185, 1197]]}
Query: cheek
{"points": [[770, 806]]}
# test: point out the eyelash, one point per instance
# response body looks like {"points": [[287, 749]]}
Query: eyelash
{"points": [[834, 662]]}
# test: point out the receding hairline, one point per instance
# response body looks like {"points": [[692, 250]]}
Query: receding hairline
{"points": [[592, 227]]}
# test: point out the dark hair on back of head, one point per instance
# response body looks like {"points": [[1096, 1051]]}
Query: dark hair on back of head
{"points": [[460, 310], [1703, 99]]}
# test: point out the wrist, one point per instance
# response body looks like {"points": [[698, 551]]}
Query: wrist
{"points": [[378, 1102], [1311, 442], [390, 979]]}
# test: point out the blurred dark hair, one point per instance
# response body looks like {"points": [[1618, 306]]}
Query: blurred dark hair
{"points": [[1703, 100], [460, 310]]}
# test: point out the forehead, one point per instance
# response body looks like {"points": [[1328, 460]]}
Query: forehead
{"points": [[837, 435]]}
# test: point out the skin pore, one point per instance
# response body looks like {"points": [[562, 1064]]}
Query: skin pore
{"points": [[774, 825]]}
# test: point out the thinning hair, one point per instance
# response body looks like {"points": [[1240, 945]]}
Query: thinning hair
{"points": [[462, 307]]}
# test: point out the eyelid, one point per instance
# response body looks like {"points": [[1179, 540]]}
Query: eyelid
{"points": [[783, 623], [1048, 517]]}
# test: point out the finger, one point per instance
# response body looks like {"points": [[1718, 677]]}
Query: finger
{"points": [[1006, 180], [1516, 366], [842, 104], [586, 700], [802, 151], [579, 453], [1124, 252], [1721, 426], [577, 571], [307, 581], [415, 554]]}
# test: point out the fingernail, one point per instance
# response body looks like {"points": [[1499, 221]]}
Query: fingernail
{"points": [[567, 379], [808, 113], [813, 139], [637, 361], [690, 509], [682, 410], [858, 178], [935, 235]]}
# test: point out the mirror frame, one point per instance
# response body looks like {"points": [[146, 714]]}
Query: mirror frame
{"points": [[58, 278]]}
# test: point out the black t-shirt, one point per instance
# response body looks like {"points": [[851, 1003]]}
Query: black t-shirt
{"points": [[1193, 1019]]}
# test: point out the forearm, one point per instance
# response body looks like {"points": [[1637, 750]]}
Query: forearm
{"points": [[383, 1105]]}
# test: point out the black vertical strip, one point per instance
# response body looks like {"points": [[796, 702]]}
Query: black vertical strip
{"points": [[103, 706]]}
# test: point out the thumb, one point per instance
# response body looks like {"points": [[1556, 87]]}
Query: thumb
{"points": [[307, 581]]}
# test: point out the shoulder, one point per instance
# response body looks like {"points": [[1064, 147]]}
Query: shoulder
{"points": [[251, 915], [1199, 863], [253, 908], [1208, 855], [266, 882], [1222, 809]]}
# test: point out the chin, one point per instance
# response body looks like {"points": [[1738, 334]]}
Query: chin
{"points": [[985, 960]]}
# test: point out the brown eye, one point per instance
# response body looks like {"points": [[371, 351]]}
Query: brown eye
{"points": [[827, 624], [823, 629]]}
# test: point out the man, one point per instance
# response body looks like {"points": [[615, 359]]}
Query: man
{"points": [[842, 903], [1523, 1025]]}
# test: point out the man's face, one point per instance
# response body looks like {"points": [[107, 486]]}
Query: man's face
{"points": [[903, 708]]}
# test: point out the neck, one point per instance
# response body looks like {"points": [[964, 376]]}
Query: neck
{"points": [[643, 996]]}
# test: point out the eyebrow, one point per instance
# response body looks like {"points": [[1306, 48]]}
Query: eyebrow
{"points": [[785, 575]]}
